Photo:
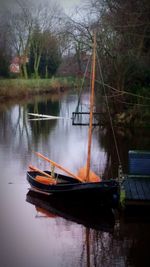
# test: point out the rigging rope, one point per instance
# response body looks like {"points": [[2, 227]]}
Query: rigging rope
{"points": [[81, 88], [124, 92], [132, 104], [110, 118]]}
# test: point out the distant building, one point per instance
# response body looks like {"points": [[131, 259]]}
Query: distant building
{"points": [[14, 68], [17, 62], [15, 65]]}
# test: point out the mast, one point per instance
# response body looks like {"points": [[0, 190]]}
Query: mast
{"points": [[91, 110]]}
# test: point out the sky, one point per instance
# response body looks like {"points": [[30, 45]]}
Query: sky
{"points": [[66, 4], [69, 3]]}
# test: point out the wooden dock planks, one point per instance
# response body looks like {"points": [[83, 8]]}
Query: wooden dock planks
{"points": [[140, 190], [137, 189], [137, 182]]}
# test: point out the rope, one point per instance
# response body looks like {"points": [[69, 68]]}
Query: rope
{"points": [[114, 136], [81, 88], [132, 104], [124, 92]]}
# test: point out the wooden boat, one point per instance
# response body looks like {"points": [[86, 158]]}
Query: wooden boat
{"points": [[105, 192], [52, 206]]}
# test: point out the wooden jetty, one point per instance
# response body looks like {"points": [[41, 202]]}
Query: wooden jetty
{"points": [[137, 183], [137, 190], [82, 118]]}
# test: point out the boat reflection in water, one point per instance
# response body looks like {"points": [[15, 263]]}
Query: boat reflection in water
{"points": [[95, 217]]}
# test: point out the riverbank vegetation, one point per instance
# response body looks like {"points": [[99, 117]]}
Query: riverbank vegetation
{"points": [[11, 88], [44, 42]]}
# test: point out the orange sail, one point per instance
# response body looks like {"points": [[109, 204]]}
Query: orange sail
{"points": [[82, 173]]}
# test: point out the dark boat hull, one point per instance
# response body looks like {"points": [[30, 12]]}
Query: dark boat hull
{"points": [[104, 192]]}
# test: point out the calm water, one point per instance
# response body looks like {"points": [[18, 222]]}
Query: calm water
{"points": [[32, 238]]}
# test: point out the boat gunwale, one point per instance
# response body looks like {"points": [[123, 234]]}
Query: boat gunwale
{"points": [[73, 185]]}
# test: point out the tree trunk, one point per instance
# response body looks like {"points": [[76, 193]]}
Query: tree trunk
{"points": [[25, 73], [36, 66], [46, 72]]}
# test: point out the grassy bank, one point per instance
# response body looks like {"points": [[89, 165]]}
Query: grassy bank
{"points": [[10, 88]]}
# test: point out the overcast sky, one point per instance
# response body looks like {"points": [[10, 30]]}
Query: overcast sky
{"points": [[66, 4], [69, 3]]}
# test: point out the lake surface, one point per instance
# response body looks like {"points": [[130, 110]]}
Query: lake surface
{"points": [[33, 237]]}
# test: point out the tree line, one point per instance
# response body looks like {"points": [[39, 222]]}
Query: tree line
{"points": [[31, 32], [44, 34]]}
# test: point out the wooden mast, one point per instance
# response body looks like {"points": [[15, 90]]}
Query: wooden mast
{"points": [[91, 110]]}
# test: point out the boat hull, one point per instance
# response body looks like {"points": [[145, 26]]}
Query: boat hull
{"points": [[104, 192]]}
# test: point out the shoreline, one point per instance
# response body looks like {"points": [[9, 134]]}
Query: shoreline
{"points": [[21, 88]]}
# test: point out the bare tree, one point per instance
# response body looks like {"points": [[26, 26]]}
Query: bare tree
{"points": [[23, 24], [5, 48]]}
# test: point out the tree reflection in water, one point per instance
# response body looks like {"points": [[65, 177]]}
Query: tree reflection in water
{"points": [[40, 127], [97, 248], [127, 139], [128, 246]]}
